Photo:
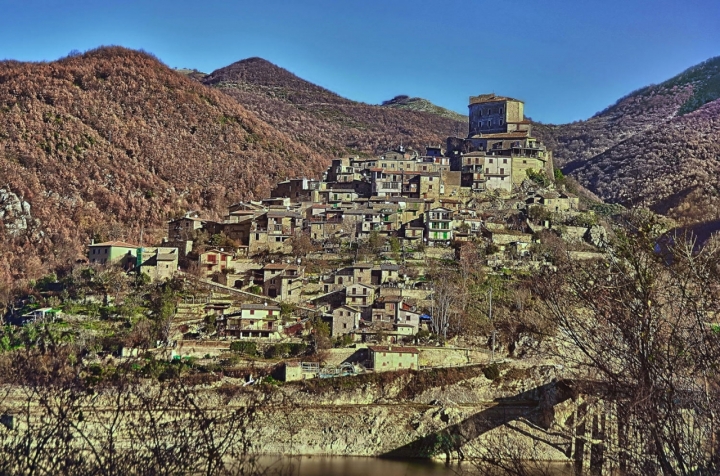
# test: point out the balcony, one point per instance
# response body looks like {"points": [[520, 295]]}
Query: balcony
{"points": [[438, 227]]}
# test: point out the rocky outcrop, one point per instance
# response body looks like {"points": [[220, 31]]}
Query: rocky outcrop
{"points": [[383, 419], [14, 213]]}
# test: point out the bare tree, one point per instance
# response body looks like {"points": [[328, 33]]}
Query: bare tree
{"points": [[639, 327]]}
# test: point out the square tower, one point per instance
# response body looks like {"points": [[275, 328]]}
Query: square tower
{"points": [[490, 114]]}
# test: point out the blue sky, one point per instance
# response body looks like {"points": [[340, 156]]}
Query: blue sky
{"points": [[566, 59]]}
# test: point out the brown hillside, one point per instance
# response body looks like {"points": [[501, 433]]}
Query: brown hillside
{"points": [[633, 114], [637, 112], [653, 147], [672, 168], [322, 119], [114, 137]]}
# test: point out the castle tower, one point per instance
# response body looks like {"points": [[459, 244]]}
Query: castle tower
{"points": [[491, 114]]}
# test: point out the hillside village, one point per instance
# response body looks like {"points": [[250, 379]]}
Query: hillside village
{"points": [[355, 247]]}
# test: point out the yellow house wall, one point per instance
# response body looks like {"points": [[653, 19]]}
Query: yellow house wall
{"points": [[386, 361]]}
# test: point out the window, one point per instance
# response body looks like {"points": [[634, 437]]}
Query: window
{"points": [[504, 161], [502, 171], [491, 160], [252, 312]]}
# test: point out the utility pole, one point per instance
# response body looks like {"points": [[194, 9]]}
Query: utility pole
{"points": [[493, 332]]}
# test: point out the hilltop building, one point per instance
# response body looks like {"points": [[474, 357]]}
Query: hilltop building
{"points": [[499, 148]]}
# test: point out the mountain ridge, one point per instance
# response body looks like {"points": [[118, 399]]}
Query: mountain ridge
{"points": [[318, 117], [419, 104]]}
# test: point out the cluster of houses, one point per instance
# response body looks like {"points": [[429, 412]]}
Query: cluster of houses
{"points": [[421, 200]]}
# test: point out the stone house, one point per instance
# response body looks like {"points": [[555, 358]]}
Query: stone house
{"points": [[408, 319], [185, 228], [413, 233], [498, 173], [385, 308], [356, 273], [158, 262], [555, 201], [181, 233], [345, 320], [298, 190], [360, 296], [386, 273], [384, 358], [283, 281], [114, 252], [438, 225], [255, 321], [215, 261]]}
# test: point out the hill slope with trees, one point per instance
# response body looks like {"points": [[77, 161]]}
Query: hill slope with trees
{"points": [[656, 147], [324, 120], [112, 143]]}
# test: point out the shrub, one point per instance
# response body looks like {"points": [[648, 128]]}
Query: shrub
{"points": [[277, 351], [491, 372], [297, 349], [243, 347], [344, 340]]}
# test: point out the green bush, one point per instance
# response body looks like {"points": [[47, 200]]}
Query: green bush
{"points": [[344, 340], [243, 347], [491, 372], [277, 351], [297, 349]]}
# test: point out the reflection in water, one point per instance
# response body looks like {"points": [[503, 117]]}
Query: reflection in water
{"points": [[355, 466]]}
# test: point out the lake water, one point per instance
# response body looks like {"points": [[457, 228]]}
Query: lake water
{"points": [[354, 466]]}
